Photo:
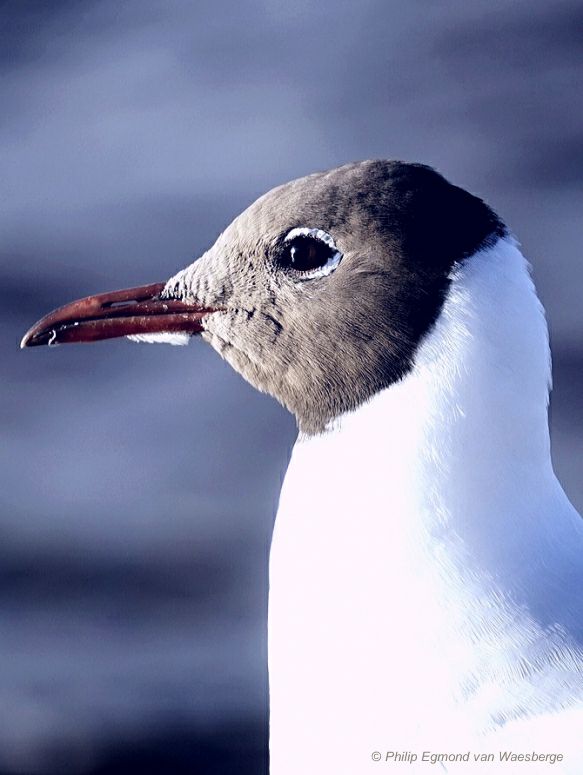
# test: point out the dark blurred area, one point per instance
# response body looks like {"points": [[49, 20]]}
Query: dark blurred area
{"points": [[139, 482]]}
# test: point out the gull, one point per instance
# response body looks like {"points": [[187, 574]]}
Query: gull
{"points": [[426, 570]]}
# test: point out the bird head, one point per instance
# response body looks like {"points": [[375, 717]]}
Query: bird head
{"points": [[318, 294]]}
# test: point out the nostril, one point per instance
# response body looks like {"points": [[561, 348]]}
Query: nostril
{"points": [[114, 304]]}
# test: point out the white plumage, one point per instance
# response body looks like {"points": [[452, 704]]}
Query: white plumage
{"points": [[174, 337], [427, 567]]}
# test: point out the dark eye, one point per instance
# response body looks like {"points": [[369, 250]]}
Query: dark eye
{"points": [[309, 252]]}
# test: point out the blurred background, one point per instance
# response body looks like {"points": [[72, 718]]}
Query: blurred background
{"points": [[139, 483]]}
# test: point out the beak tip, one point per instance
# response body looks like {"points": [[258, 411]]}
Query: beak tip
{"points": [[32, 338]]}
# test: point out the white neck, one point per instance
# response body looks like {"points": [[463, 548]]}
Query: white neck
{"points": [[425, 530]]}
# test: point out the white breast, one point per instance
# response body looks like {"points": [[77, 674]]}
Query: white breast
{"points": [[424, 555]]}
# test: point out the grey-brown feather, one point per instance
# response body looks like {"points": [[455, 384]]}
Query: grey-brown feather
{"points": [[324, 346]]}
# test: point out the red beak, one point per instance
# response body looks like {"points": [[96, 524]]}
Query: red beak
{"points": [[119, 313]]}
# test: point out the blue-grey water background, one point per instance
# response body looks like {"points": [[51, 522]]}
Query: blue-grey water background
{"points": [[139, 482]]}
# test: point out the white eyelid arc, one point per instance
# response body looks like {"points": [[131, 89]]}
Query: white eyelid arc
{"points": [[304, 231]]}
